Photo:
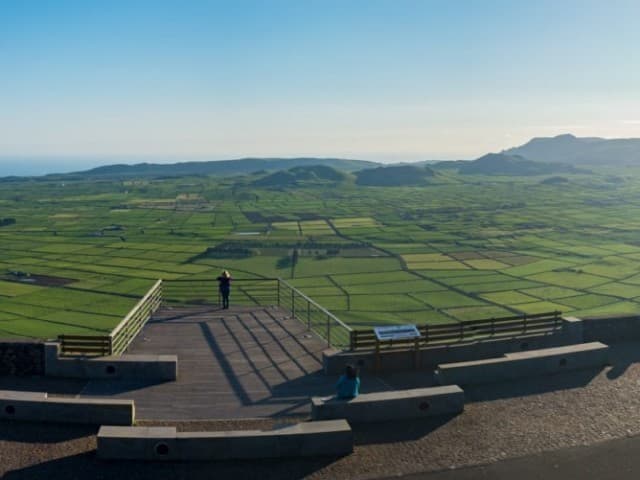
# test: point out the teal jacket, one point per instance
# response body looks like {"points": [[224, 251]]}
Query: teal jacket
{"points": [[348, 387]]}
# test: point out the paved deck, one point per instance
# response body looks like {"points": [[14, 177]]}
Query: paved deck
{"points": [[238, 363], [577, 424]]}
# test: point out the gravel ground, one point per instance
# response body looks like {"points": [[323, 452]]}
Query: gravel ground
{"points": [[501, 421]]}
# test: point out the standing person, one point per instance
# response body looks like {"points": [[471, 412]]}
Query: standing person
{"points": [[224, 287], [348, 385]]}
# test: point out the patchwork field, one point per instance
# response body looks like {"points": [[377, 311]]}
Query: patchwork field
{"points": [[81, 253]]}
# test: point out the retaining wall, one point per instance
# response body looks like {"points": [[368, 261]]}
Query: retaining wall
{"points": [[21, 358], [164, 443], [612, 329], [148, 367], [428, 358], [525, 364]]}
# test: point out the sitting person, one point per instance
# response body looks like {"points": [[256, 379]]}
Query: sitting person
{"points": [[348, 385]]}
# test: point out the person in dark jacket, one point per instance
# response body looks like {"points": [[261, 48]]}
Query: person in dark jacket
{"points": [[224, 287], [348, 385]]}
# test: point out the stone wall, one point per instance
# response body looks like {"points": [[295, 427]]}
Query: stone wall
{"points": [[429, 358], [21, 358], [612, 328]]}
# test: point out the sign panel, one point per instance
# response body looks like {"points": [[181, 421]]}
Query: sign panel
{"points": [[396, 332]]}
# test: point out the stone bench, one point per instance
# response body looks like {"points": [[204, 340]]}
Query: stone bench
{"points": [[394, 405], [524, 364], [165, 443], [139, 367], [39, 407]]}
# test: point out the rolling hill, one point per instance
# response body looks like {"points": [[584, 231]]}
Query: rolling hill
{"points": [[299, 175], [221, 167], [395, 176], [503, 164]]}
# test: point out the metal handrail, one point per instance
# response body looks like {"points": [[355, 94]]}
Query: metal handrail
{"points": [[267, 291], [261, 279], [123, 334], [313, 302], [327, 324]]}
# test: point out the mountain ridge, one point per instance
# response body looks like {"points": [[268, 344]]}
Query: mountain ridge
{"points": [[569, 149], [224, 167], [512, 165]]}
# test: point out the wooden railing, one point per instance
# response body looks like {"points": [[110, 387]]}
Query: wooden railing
{"points": [[461, 331], [119, 339], [128, 328], [88, 345]]}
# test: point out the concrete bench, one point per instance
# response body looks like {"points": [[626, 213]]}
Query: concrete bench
{"points": [[398, 404], [164, 443], [39, 407], [139, 367], [524, 364]]}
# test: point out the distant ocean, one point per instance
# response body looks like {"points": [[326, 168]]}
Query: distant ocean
{"points": [[30, 166], [35, 166]]}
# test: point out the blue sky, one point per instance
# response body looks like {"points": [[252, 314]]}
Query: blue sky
{"points": [[383, 80]]}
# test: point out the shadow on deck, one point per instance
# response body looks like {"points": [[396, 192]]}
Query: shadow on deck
{"points": [[244, 362]]}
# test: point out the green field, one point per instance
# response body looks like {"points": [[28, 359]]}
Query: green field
{"points": [[81, 253]]}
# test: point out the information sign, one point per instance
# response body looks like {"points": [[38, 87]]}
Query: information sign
{"points": [[396, 332]]}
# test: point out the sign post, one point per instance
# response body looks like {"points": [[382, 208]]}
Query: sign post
{"points": [[397, 332]]}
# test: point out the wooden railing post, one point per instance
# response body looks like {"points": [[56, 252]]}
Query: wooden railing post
{"points": [[308, 316]]}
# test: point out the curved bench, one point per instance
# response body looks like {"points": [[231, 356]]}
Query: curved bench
{"points": [[545, 361], [165, 443], [394, 405], [39, 407]]}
